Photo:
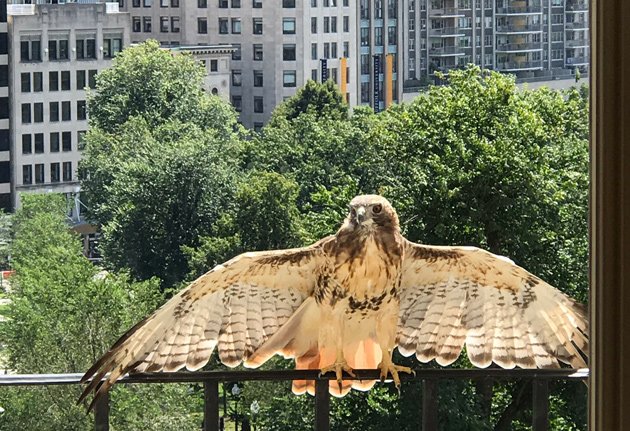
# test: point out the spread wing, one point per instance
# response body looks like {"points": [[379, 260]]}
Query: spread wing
{"points": [[504, 314], [234, 307]]}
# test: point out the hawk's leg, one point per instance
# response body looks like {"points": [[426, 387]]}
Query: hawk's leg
{"points": [[339, 366], [332, 334], [385, 335]]}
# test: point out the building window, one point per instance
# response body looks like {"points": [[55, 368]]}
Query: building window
{"points": [[58, 49], [54, 142], [257, 4], [26, 113], [313, 51], [53, 81], [136, 25], [202, 25], [326, 24], [258, 126], [288, 4], [214, 65], [66, 141], [313, 3], [333, 50], [55, 173], [326, 50], [203, 4], [39, 143], [391, 35], [364, 6], [164, 24], [174, 3], [365, 92], [236, 78], [92, 78], [258, 52], [259, 105], [378, 9], [25, 79], [65, 80], [53, 111], [65, 111], [333, 24], [346, 49], [392, 8], [39, 173], [346, 24], [365, 64], [26, 144], [164, 3], [236, 26], [346, 3], [237, 102], [236, 4], [67, 171], [38, 81], [223, 4], [365, 36], [30, 49], [135, 3], [81, 110], [314, 25], [175, 24], [38, 112], [86, 46], [288, 25], [289, 78], [288, 52], [236, 54], [258, 78], [147, 3], [27, 174], [146, 24], [80, 79], [378, 36], [257, 25]]}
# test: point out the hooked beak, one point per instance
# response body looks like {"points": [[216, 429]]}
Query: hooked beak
{"points": [[360, 217]]}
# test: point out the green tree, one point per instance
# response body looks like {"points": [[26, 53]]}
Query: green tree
{"points": [[64, 314], [324, 100], [5, 239], [160, 162]]}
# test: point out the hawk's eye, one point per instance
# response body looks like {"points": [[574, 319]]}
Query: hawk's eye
{"points": [[377, 208], [353, 212]]}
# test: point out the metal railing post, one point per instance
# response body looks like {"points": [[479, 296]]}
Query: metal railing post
{"points": [[101, 413], [211, 405], [540, 401], [429, 405], [322, 406]]}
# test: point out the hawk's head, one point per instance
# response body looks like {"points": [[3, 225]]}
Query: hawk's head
{"points": [[370, 212]]}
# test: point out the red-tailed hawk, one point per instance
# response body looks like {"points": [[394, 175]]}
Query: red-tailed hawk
{"points": [[347, 302]]}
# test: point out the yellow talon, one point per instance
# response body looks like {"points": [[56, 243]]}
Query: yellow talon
{"points": [[338, 367]]}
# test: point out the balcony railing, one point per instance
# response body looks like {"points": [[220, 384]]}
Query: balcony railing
{"points": [[519, 10], [577, 61], [513, 47], [577, 6], [445, 31], [576, 25], [522, 65], [573, 43], [429, 377], [519, 28], [445, 12], [446, 50]]}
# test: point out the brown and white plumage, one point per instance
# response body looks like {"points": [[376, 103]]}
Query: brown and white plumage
{"points": [[347, 301]]}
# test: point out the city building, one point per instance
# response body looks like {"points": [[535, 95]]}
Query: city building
{"points": [[56, 50], [534, 40], [5, 146]]}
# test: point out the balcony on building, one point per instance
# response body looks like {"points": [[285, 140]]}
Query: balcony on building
{"points": [[444, 9], [518, 47], [577, 6], [446, 51], [576, 25], [519, 8], [576, 43], [517, 66], [446, 32], [508, 25], [577, 61]]}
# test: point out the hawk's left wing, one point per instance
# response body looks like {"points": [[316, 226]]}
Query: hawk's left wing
{"points": [[504, 314]]}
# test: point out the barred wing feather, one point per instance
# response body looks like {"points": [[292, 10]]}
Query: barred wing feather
{"points": [[456, 296], [234, 307]]}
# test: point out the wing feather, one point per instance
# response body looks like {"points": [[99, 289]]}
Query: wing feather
{"points": [[455, 296], [237, 306]]}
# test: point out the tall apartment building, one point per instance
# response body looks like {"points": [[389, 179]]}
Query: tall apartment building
{"points": [[279, 45], [56, 52], [5, 146], [533, 39]]}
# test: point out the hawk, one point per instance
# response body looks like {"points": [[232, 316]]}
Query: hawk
{"points": [[347, 301]]}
